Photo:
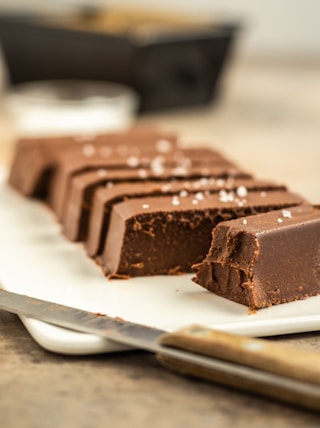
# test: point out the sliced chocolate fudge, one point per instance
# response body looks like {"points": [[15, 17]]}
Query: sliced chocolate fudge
{"points": [[36, 158], [75, 208], [182, 161], [169, 234], [265, 259], [105, 197]]}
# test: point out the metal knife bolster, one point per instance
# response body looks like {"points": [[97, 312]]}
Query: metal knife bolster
{"points": [[257, 365]]}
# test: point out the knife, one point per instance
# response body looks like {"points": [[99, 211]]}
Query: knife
{"points": [[273, 370]]}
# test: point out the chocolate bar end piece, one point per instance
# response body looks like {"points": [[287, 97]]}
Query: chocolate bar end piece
{"points": [[266, 259]]}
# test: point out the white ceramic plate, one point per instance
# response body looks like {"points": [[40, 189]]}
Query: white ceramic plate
{"points": [[35, 259]]}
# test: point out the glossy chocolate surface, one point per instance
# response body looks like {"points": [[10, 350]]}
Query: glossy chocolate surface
{"points": [[36, 159], [105, 197], [265, 259], [180, 161], [143, 205], [76, 206], [166, 235]]}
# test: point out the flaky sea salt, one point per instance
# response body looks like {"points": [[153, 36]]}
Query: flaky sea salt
{"points": [[242, 191], [244, 221], [101, 172], [199, 196], [133, 161], [158, 160], [225, 196], [175, 200], [241, 202], [179, 170], [163, 146], [88, 150], [220, 182], [166, 187], [183, 193], [157, 169], [203, 181], [286, 213], [279, 220], [142, 173], [145, 206]]}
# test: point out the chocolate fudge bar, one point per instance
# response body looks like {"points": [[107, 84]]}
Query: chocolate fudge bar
{"points": [[105, 197], [78, 201], [169, 234], [265, 259], [146, 206], [36, 158], [185, 161]]}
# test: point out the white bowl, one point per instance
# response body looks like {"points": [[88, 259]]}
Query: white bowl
{"points": [[70, 107]]}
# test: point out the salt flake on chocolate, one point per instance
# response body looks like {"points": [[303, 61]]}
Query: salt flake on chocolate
{"points": [[166, 187], [132, 161], [183, 193], [220, 182], [199, 196], [242, 191], [225, 196], [175, 200], [101, 172], [163, 146], [286, 214], [179, 170], [142, 173], [88, 150]]}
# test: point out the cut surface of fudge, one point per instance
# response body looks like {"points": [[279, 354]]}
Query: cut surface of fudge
{"points": [[105, 197], [36, 158], [61, 184], [169, 234], [266, 259], [75, 210]]}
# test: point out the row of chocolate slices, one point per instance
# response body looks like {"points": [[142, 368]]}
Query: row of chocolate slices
{"points": [[144, 204]]}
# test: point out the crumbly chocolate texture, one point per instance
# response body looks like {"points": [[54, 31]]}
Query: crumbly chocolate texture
{"points": [[205, 162], [266, 259], [35, 159], [167, 235], [96, 227]]}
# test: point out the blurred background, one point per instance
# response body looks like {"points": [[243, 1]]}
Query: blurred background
{"points": [[288, 27], [245, 76]]}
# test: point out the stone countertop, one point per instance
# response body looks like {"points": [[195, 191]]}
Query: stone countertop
{"points": [[268, 120]]}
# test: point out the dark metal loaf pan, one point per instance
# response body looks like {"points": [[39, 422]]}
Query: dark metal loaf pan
{"points": [[167, 68]]}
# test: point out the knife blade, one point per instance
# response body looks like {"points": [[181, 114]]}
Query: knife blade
{"points": [[255, 365]]}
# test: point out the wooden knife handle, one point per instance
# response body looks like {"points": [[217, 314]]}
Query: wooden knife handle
{"points": [[261, 354]]}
